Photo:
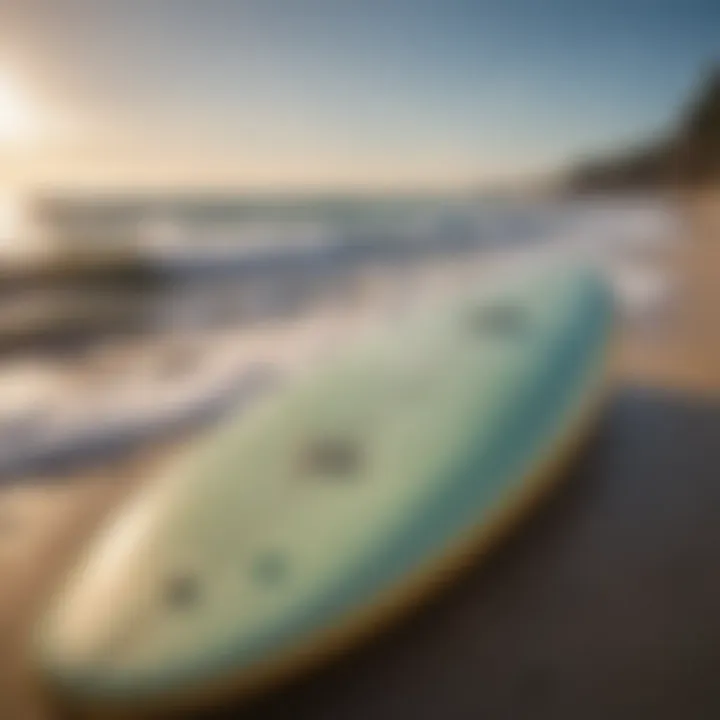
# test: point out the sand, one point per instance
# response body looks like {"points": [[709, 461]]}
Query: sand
{"points": [[680, 349]]}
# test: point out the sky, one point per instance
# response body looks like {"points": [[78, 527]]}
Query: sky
{"points": [[339, 93]]}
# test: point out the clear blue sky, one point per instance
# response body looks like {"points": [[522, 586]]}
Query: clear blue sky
{"points": [[387, 92]]}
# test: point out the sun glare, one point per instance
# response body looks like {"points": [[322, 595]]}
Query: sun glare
{"points": [[16, 120]]}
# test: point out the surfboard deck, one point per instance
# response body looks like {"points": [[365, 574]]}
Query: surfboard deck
{"points": [[343, 498]]}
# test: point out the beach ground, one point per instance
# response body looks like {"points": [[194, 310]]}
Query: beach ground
{"points": [[681, 348], [44, 521]]}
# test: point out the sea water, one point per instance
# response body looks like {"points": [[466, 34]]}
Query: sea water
{"points": [[222, 259]]}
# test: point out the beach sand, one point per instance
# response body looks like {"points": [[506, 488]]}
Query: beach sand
{"points": [[680, 349], [44, 521]]}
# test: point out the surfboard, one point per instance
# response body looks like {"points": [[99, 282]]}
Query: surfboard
{"points": [[338, 502]]}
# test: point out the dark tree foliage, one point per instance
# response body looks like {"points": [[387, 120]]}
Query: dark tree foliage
{"points": [[636, 170], [688, 157], [698, 146]]}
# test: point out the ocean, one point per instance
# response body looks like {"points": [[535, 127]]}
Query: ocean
{"points": [[207, 223], [215, 260]]}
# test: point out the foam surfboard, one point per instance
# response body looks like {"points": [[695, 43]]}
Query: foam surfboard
{"points": [[339, 501]]}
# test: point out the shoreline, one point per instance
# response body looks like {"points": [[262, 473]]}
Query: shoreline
{"points": [[681, 351]]}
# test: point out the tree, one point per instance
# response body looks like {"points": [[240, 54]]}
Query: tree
{"points": [[698, 143]]}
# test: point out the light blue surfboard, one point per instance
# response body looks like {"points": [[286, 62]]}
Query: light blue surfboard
{"points": [[343, 497]]}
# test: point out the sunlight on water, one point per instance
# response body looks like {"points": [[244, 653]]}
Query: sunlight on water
{"points": [[11, 219], [17, 121], [21, 239]]}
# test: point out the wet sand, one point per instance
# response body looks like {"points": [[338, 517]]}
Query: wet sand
{"points": [[604, 606], [681, 349]]}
